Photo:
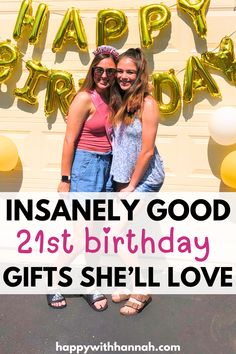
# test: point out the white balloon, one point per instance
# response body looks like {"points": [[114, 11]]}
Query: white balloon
{"points": [[222, 125]]}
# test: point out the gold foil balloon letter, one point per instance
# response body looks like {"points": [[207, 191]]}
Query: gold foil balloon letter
{"points": [[198, 78], [111, 24], [169, 80], [152, 18], [25, 18], [224, 60], [61, 86], [197, 10], [36, 71], [9, 55], [71, 28]]}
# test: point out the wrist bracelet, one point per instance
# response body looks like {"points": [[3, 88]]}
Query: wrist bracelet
{"points": [[65, 179]]}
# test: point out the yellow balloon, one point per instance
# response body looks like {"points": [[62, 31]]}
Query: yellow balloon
{"points": [[169, 80], [36, 71], [71, 28], [8, 154], [196, 77], [9, 55], [60, 86], [111, 24], [25, 18], [228, 170], [152, 18], [197, 10], [223, 60]]}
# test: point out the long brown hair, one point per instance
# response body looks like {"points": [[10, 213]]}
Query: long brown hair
{"points": [[89, 83], [125, 104]]}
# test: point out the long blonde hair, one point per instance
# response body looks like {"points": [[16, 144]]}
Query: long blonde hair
{"points": [[125, 104]]}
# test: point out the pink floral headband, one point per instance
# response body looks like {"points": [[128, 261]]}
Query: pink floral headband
{"points": [[106, 49]]}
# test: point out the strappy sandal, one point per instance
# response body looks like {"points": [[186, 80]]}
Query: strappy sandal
{"points": [[92, 298], [56, 299], [143, 301], [120, 297]]}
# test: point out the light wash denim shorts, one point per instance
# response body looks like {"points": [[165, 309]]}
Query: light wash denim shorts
{"points": [[148, 187], [91, 172]]}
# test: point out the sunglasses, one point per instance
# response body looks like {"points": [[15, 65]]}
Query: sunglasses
{"points": [[99, 71]]}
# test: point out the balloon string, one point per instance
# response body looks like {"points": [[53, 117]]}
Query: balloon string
{"points": [[233, 31], [179, 71], [62, 14]]}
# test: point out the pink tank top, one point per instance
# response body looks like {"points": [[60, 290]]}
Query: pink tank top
{"points": [[96, 131]]}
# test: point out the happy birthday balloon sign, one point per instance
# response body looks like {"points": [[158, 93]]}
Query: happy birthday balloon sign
{"points": [[111, 25]]}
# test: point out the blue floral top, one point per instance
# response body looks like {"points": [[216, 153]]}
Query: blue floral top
{"points": [[126, 146]]}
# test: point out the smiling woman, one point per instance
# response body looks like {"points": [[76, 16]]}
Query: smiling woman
{"points": [[86, 156], [136, 164]]}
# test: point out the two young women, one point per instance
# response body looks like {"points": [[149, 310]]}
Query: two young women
{"points": [[127, 108]]}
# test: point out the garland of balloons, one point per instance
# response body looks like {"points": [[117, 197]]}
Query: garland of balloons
{"points": [[111, 24]]}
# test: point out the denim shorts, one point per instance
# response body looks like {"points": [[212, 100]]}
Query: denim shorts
{"points": [[91, 172], [147, 187]]}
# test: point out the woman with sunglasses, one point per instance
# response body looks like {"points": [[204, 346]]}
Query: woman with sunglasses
{"points": [[86, 156], [136, 164]]}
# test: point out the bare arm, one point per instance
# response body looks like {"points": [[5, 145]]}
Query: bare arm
{"points": [[150, 120], [79, 110]]}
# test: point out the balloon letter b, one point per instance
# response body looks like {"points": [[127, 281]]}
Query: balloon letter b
{"points": [[152, 18], [169, 80], [25, 18], [36, 70], [72, 28], [111, 24], [60, 84], [8, 58], [197, 10]]}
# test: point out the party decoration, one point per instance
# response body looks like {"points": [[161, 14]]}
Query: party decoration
{"points": [[61, 86], [228, 170], [36, 71], [80, 82], [71, 28], [222, 125], [8, 154], [152, 18], [198, 78], [111, 24], [197, 10], [9, 55], [224, 60], [169, 80], [25, 18]]}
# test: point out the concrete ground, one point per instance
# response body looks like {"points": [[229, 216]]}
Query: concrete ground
{"points": [[199, 324]]}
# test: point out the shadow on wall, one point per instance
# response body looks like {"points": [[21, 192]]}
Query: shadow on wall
{"points": [[11, 181], [224, 188]]}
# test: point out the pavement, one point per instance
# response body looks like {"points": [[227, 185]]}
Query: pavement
{"points": [[201, 324]]}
